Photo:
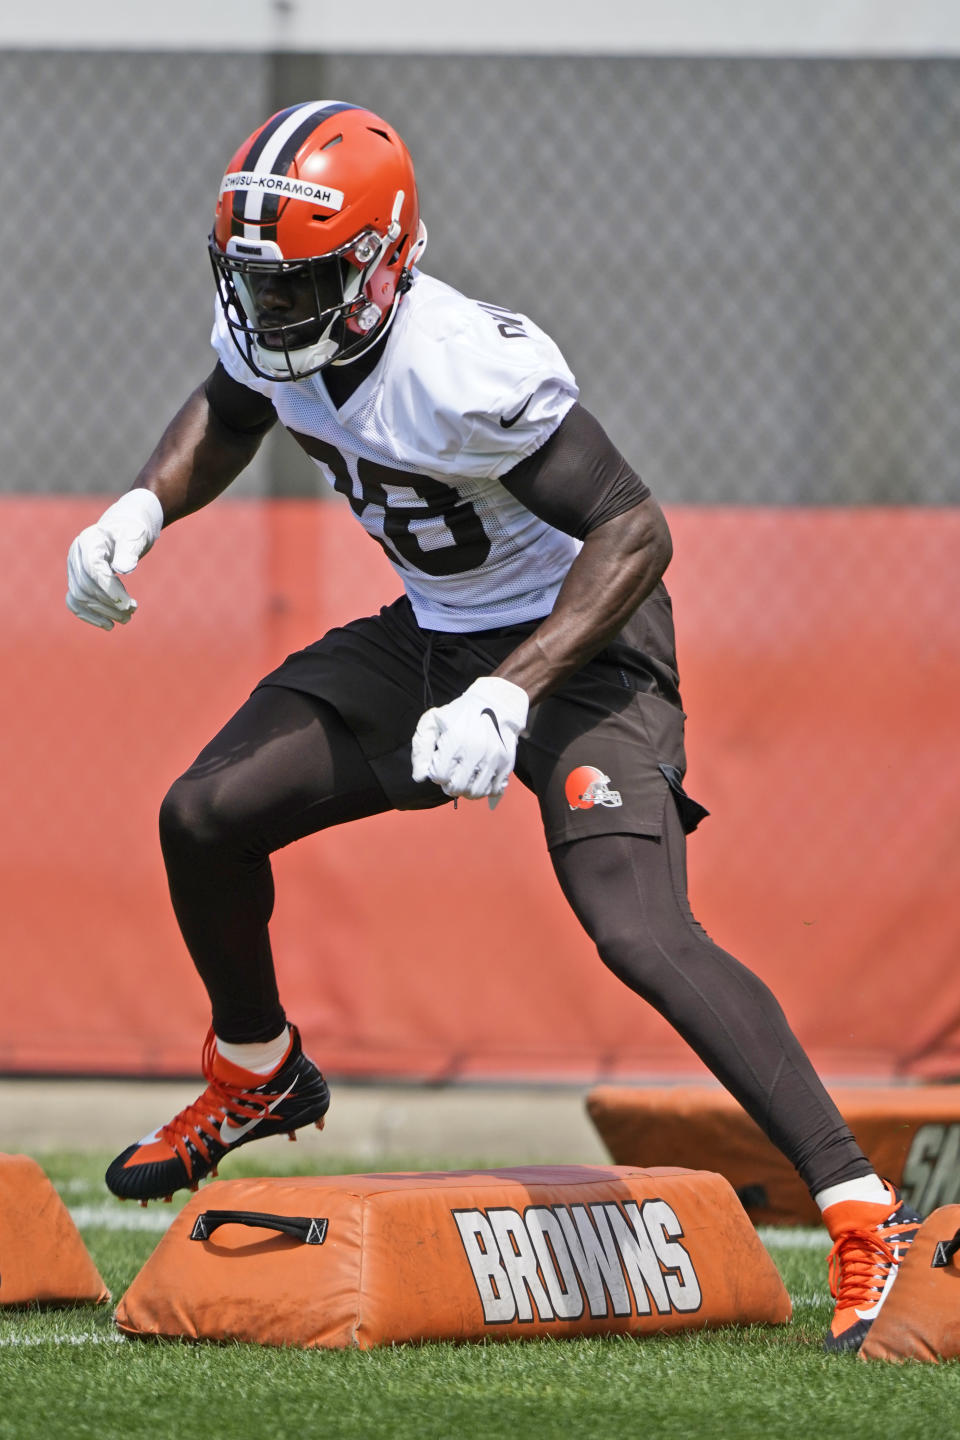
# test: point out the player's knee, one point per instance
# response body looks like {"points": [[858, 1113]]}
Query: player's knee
{"points": [[625, 954], [651, 964], [192, 818]]}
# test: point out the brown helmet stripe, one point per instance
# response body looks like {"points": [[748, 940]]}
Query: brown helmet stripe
{"points": [[264, 155]]}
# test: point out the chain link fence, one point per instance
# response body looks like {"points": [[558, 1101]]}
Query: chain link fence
{"points": [[753, 265]]}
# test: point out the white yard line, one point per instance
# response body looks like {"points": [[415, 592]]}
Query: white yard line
{"points": [[787, 1237], [117, 1216], [90, 1337]]}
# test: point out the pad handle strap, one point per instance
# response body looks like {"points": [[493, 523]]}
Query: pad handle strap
{"points": [[945, 1251], [311, 1230]]}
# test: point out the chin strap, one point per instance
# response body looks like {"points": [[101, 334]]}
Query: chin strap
{"points": [[416, 249], [373, 339]]}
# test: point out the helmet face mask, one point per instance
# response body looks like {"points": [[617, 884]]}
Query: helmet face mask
{"points": [[316, 232], [290, 318]]}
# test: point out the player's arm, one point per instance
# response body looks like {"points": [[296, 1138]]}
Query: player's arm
{"points": [[579, 483], [209, 441]]}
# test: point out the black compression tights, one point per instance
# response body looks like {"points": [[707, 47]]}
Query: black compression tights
{"points": [[283, 767], [630, 894], [286, 766]]}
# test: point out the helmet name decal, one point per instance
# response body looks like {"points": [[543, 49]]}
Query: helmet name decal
{"points": [[586, 786], [323, 195]]}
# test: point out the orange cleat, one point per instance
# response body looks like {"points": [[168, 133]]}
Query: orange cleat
{"points": [[231, 1112], [869, 1243]]}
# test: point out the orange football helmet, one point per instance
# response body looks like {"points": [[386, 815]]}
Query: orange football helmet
{"points": [[316, 232]]}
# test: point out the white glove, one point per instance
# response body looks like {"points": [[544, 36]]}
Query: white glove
{"points": [[469, 746], [110, 548]]}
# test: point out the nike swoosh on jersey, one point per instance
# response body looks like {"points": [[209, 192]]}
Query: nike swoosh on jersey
{"points": [[230, 1133], [507, 420]]}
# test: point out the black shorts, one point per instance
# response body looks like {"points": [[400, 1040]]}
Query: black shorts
{"points": [[601, 754]]}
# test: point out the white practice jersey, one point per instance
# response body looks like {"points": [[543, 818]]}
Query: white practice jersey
{"points": [[463, 391]]}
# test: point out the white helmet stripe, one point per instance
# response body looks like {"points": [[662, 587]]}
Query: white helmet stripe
{"points": [[294, 121]]}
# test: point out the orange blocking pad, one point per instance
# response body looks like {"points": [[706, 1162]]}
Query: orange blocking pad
{"points": [[42, 1257], [461, 1255], [920, 1318], [910, 1134]]}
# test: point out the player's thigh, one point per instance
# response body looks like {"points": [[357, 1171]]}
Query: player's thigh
{"points": [[285, 765], [381, 672], [629, 890], [596, 759]]}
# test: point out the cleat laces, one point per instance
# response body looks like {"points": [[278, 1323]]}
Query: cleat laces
{"points": [[197, 1124], [858, 1266], [862, 1262]]}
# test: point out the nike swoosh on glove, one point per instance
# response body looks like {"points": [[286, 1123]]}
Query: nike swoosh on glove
{"points": [[469, 747], [123, 534]]}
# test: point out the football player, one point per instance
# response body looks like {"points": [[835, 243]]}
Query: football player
{"points": [[534, 636]]}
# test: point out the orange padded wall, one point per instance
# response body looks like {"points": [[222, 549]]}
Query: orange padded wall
{"points": [[820, 652]]}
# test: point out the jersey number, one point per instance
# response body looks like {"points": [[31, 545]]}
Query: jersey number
{"points": [[471, 544]]}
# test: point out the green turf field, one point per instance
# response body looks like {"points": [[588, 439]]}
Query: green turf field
{"points": [[66, 1374]]}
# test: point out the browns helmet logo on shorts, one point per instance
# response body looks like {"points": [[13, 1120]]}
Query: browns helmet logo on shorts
{"points": [[587, 786]]}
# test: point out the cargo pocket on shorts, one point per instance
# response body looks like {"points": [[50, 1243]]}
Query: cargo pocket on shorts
{"points": [[691, 812]]}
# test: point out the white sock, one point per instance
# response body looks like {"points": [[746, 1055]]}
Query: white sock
{"points": [[868, 1188], [262, 1057]]}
